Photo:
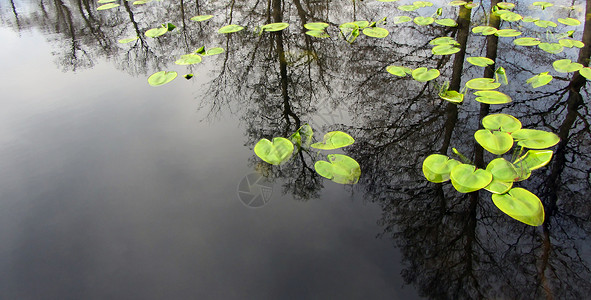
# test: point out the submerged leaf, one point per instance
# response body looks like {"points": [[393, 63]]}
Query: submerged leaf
{"points": [[162, 77], [521, 205], [340, 169]]}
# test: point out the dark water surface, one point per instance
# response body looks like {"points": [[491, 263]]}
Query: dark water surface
{"points": [[113, 189]]}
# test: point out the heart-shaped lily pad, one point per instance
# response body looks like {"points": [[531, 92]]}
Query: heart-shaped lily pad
{"points": [[188, 59], [485, 30], [274, 27], [318, 34], [507, 33], [156, 32], [482, 84], [545, 23], [445, 50], [492, 97], [466, 178], [569, 43], [521, 205], [446, 22], [437, 167], [452, 96], [535, 139], [376, 32], [201, 18], [341, 169], [230, 28], [502, 122], [534, 159], [498, 187], [585, 72], [526, 41], [444, 40], [128, 40], [495, 142], [162, 77], [569, 21], [539, 80], [566, 66], [334, 140], [423, 20], [398, 71], [316, 26], [553, 48], [503, 170], [274, 152], [480, 61], [423, 74]]}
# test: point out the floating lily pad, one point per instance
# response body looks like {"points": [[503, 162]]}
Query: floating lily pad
{"points": [[274, 152], [188, 59], [303, 136], [482, 84], [471, 5], [128, 40], [569, 43], [215, 51], [466, 178], [321, 34], [445, 50], [334, 140], [502, 122], [542, 4], [511, 16], [521, 205], [437, 167], [401, 19], [495, 142], [107, 6], [141, 2], [539, 80], [545, 23], [201, 18], [162, 77], [498, 187], [444, 40], [105, 1], [422, 4], [156, 32], [230, 28], [506, 5], [423, 74], [452, 96], [566, 66], [585, 72], [480, 61], [316, 26], [446, 22], [339, 168], [526, 41], [492, 97], [398, 71], [530, 19], [569, 21], [507, 33], [484, 30], [274, 27], [376, 32], [423, 20], [535, 139], [503, 170], [457, 3], [534, 159]]}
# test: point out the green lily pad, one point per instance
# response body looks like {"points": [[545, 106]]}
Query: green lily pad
{"points": [[530, 19], [507, 33], [128, 40], [188, 59], [506, 5], [534, 159], [501, 122], [501, 75], [482, 84], [340, 169], [141, 2], [526, 41], [318, 34], [566, 66], [274, 27], [215, 51], [334, 140], [446, 22], [471, 5], [303, 136], [569, 21], [484, 30], [162, 77], [274, 152], [316, 26], [542, 4], [445, 50], [569, 43], [585, 72], [492, 97], [452, 96], [535, 139], [539, 80], [423, 20], [503, 170], [422, 4], [466, 178], [423, 74], [401, 19], [521, 205], [201, 18], [107, 6], [376, 32], [361, 24], [398, 71], [230, 28], [457, 3], [105, 1], [498, 187], [545, 23], [444, 40], [480, 61], [156, 32], [495, 142], [437, 167], [511, 16]]}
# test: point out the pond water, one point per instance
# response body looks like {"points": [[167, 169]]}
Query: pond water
{"points": [[115, 189]]}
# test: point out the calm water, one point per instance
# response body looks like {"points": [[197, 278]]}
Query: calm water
{"points": [[113, 189]]}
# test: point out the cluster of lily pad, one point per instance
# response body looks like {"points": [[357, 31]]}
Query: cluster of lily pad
{"points": [[500, 134], [339, 168]]}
